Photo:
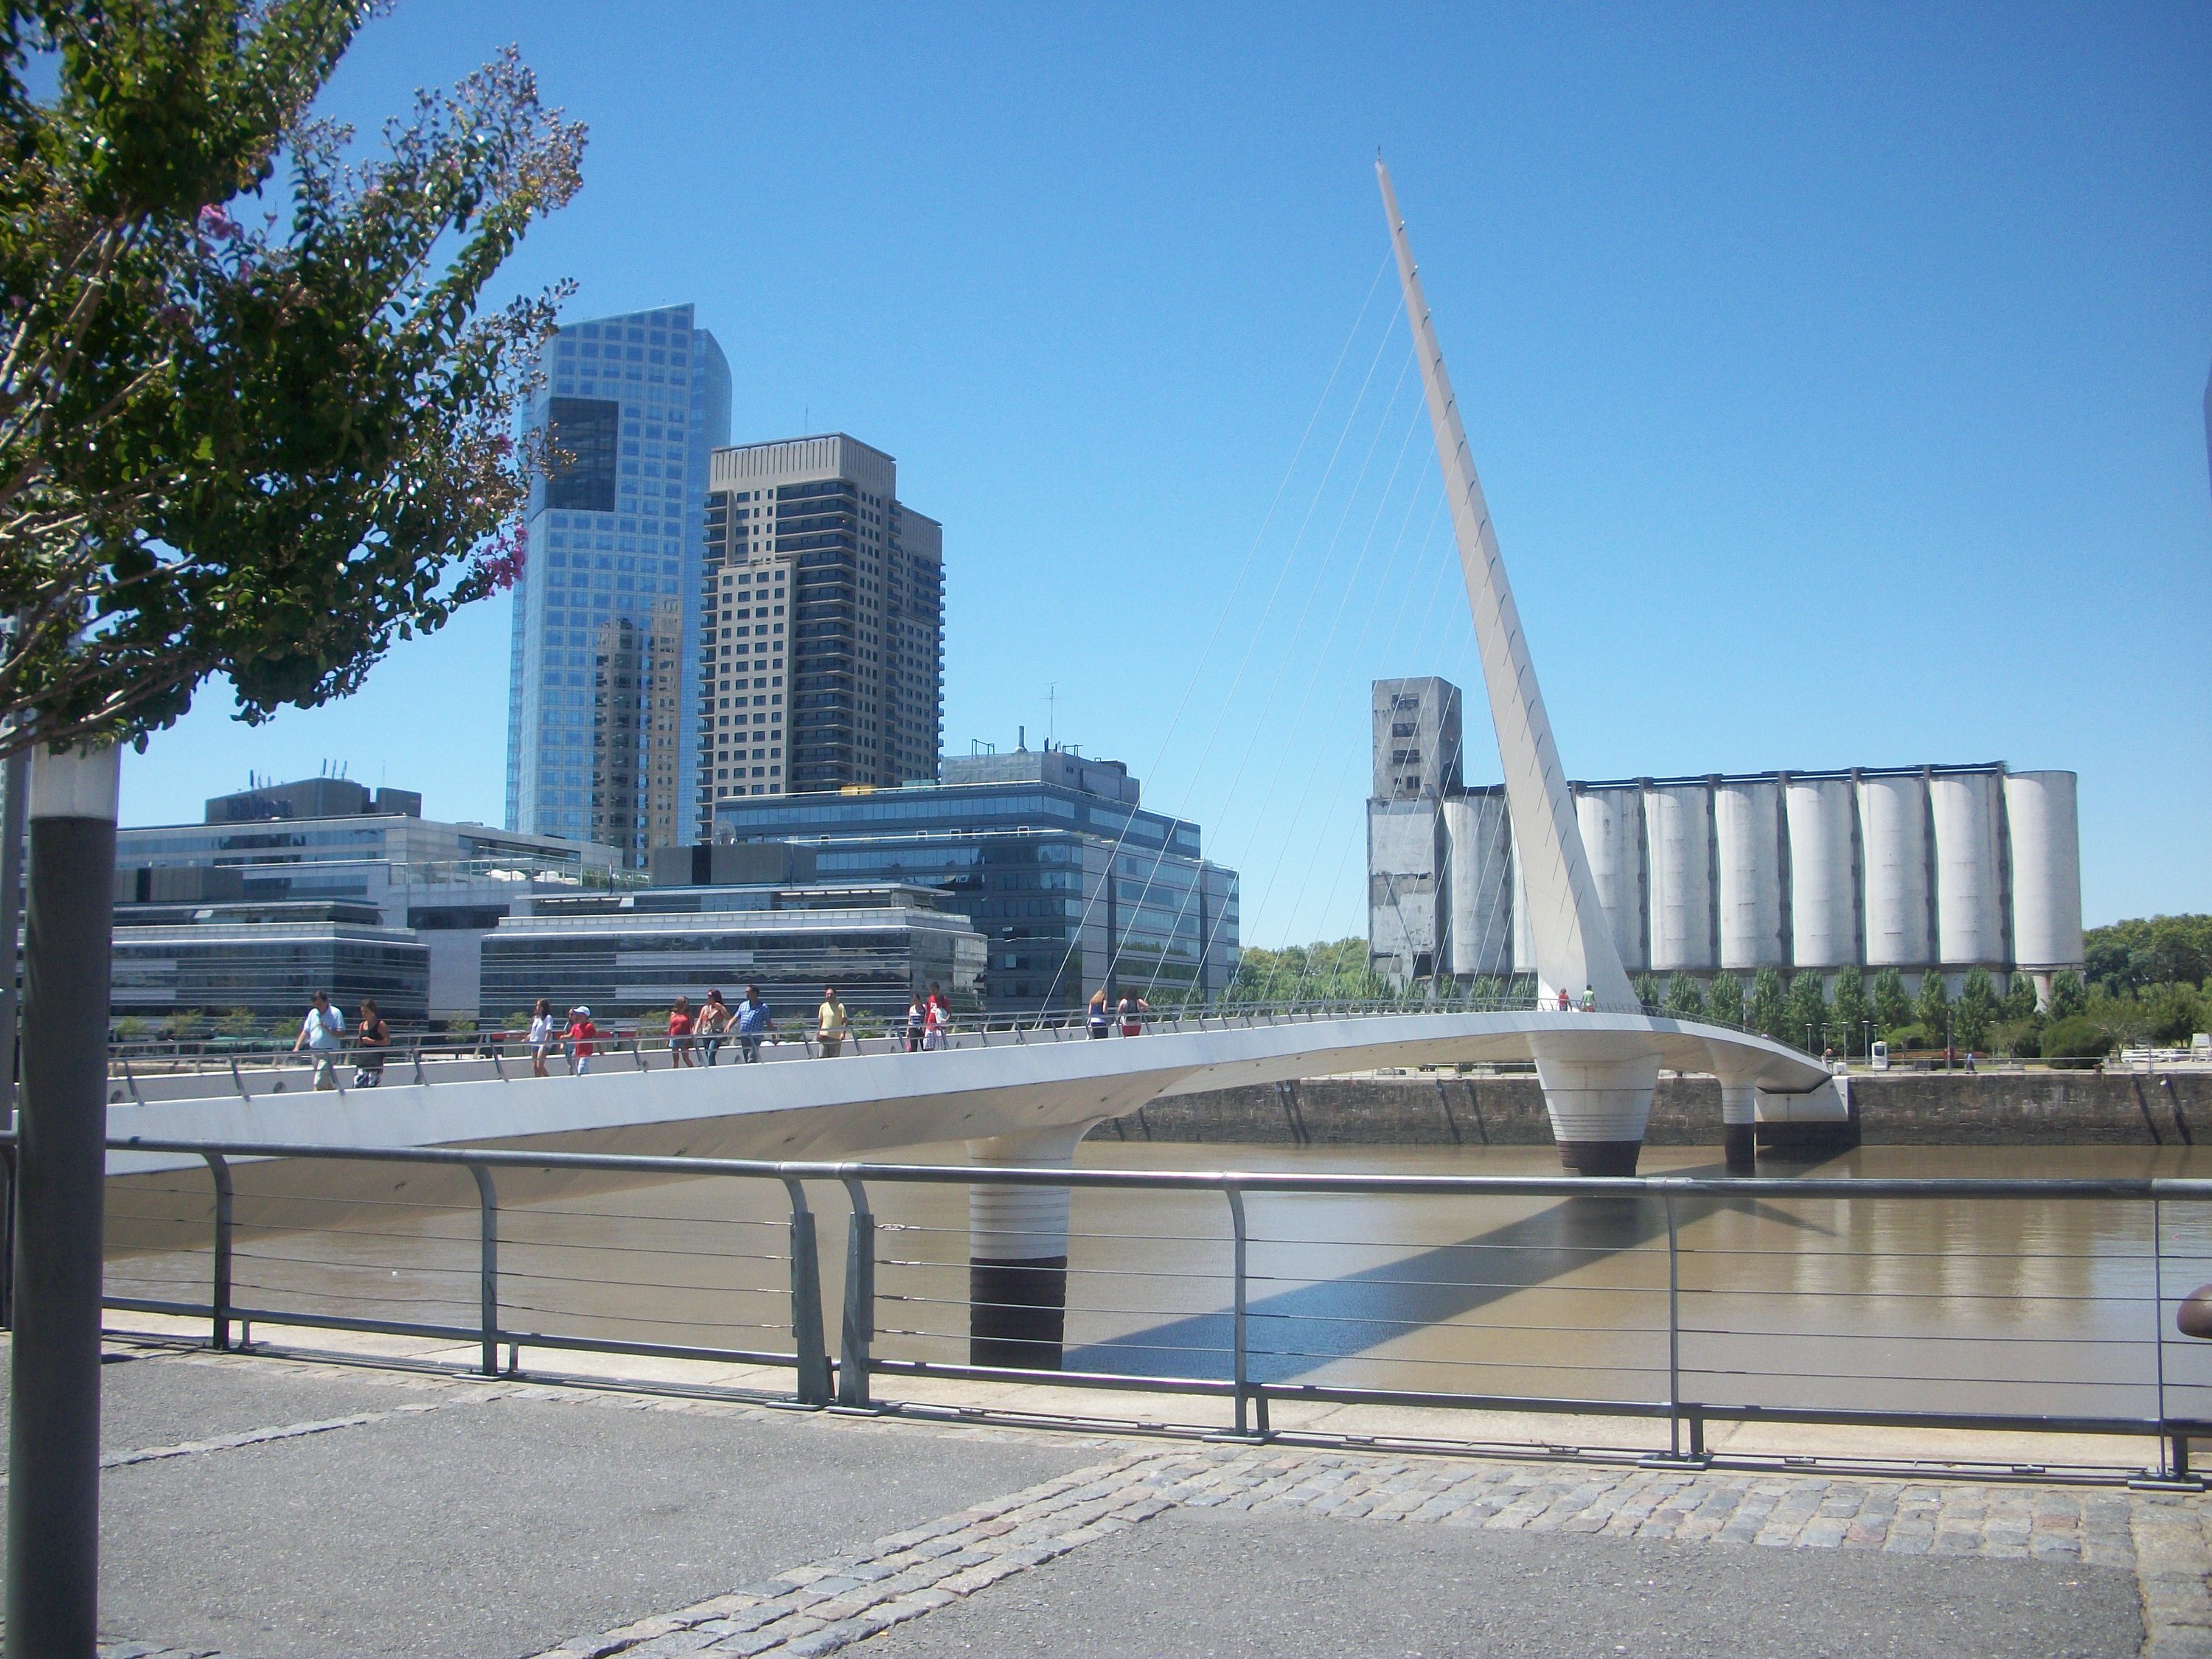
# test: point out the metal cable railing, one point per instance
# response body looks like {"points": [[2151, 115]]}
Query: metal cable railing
{"points": [[1635, 1298]]}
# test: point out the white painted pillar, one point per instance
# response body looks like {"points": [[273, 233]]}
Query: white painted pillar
{"points": [[1017, 1253], [1599, 1105]]}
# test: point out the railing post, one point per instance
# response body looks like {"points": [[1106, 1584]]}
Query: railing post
{"points": [[811, 1384], [2158, 1338], [1251, 1406], [488, 1268], [219, 1284], [1674, 1332], [860, 1322]]}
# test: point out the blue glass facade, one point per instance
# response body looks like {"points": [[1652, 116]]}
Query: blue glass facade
{"points": [[1071, 890], [606, 644]]}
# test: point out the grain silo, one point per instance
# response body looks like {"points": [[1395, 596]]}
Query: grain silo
{"points": [[1824, 871], [1966, 807], [1893, 839], [1678, 830], [1747, 872], [1611, 817], [2046, 873], [1481, 917]]}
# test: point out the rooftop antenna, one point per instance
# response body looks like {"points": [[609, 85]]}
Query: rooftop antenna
{"points": [[1051, 712]]}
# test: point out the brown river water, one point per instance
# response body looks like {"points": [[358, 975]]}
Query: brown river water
{"points": [[2041, 1307]]}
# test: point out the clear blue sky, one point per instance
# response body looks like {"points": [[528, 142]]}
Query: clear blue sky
{"points": [[1837, 376]]}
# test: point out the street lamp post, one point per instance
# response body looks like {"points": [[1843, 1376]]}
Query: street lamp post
{"points": [[61, 1128]]}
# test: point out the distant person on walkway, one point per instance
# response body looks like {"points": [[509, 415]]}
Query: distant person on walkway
{"points": [[937, 1023], [679, 1032], [1970, 1062], [753, 1024], [544, 1032], [370, 1039], [917, 1022], [322, 1033], [1133, 1011], [581, 1034], [1567, 1002], [712, 1025], [830, 1024], [1590, 1000], [1095, 1018]]}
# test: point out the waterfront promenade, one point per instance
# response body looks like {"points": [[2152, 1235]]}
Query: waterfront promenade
{"points": [[375, 1499]]}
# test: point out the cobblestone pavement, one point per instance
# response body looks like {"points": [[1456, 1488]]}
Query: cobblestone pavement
{"points": [[832, 1602]]}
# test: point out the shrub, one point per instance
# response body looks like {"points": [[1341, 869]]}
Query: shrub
{"points": [[2075, 1043], [1901, 1038]]}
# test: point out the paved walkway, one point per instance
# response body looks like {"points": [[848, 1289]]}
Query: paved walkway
{"points": [[265, 1508]]}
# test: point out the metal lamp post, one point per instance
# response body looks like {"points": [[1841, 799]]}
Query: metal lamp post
{"points": [[61, 1127]]}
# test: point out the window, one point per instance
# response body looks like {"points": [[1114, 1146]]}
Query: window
{"points": [[583, 428]]}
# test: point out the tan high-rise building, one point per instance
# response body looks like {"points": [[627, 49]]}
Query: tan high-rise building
{"points": [[823, 640]]}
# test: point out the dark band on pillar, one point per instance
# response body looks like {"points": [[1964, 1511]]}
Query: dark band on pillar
{"points": [[1739, 1142], [1017, 1312], [1600, 1158]]}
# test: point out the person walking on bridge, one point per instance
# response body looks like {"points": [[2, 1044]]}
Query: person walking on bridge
{"points": [[936, 1021], [679, 1032], [370, 1039], [714, 1022], [753, 1024], [1133, 1010], [322, 1033], [1095, 1018], [544, 1034], [581, 1034], [830, 1024], [917, 1023]]}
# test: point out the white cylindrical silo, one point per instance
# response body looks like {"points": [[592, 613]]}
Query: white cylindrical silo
{"points": [[1481, 885], [1747, 863], [1824, 883], [2046, 870], [1611, 821], [1894, 834], [1965, 808], [1680, 837]]}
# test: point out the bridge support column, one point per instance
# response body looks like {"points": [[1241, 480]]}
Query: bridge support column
{"points": [[1738, 1121], [1017, 1254], [1599, 1104]]}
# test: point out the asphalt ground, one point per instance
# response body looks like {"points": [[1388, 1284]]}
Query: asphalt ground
{"points": [[1224, 1583], [496, 1527]]}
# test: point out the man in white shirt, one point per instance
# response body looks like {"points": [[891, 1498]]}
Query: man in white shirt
{"points": [[322, 1034]]}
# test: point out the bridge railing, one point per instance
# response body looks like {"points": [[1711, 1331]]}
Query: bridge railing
{"points": [[1681, 1302], [134, 1067]]}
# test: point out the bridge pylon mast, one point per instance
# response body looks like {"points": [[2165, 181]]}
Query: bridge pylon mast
{"points": [[1598, 1110]]}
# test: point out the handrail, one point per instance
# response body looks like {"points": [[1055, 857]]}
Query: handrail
{"points": [[819, 1380]]}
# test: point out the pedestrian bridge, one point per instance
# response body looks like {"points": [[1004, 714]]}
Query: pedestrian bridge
{"points": [[1041, 1088]]}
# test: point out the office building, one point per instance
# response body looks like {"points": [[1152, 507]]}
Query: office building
{"points": [[328, 841], [878, 942], [606, 635], [824, 599], [1924, 869], [226, 957], [1072, 884]]}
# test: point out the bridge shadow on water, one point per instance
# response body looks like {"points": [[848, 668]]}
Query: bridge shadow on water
{"points": [[1294, 1332]]}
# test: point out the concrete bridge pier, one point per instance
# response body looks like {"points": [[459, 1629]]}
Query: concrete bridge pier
{"points": [[1599, 1100], [1017, 1254], [1739, 1124]]}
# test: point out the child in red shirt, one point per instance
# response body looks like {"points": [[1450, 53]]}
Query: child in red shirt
{"points": [[581, 1035], [679, 1031]]}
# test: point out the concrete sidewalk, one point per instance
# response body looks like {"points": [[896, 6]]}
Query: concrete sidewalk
{"points": [[270, 1508]]}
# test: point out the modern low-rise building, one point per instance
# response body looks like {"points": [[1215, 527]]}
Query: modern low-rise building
{"points": [[330, 840], [227, 956], [1071, 883], [633, 954]]}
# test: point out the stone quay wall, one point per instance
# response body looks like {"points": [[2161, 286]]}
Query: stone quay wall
{"points": [[1895, 1109]]}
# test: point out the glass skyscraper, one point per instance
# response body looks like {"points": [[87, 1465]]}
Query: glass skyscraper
{"points": [[606, 644]]}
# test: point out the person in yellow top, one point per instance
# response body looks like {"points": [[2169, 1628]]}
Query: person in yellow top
{"points": [[830, 1024]]}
